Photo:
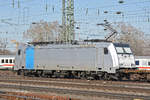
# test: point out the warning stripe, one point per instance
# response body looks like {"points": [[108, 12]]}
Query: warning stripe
{"points": [[144, 67], [7, 65]]}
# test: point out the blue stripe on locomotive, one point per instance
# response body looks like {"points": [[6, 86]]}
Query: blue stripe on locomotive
{"points": [[30, 57]]}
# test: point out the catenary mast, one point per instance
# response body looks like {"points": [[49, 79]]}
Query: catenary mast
{"points": [[68, 20]]}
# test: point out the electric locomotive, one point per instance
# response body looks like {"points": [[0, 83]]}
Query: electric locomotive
{"points": [[88, 59]]}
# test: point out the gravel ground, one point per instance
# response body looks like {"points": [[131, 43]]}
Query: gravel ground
{"points": [[138, 88]]}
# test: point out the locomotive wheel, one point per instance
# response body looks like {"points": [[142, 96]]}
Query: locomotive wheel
{"points": [[106, 76], [148, 77], [20, 72], [134, 77]]}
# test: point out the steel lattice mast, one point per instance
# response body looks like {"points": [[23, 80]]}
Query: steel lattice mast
{"points": [[68, 20]]}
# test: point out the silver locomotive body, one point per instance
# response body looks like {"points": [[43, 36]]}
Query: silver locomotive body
{"points": [[96, 57]]}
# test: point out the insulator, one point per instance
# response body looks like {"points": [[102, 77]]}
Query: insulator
{"points": [[13, 3], [18, 4], [53, 9], [46, 7], [87, 11], [121, 1], [105, 12], [98, 12], [118, 12]]}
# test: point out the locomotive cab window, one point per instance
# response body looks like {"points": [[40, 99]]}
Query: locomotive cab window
{"points": [[105, 51], [137, 62]]}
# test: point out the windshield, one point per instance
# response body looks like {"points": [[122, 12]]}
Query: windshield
{"points": [[119, 50], [122, 48], [127, 50]]}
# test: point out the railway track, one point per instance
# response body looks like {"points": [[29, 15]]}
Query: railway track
{"points": [[79, 88], [94, 88], [12, 75], [75, 80], [11, 96], [38, 80], [30, 96], [77, 92], [78, 84]]}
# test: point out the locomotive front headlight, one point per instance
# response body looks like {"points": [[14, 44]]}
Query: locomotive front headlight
{"points": [[121, 64]]}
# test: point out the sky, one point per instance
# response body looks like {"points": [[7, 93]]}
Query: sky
{"points": [[14, 20]]}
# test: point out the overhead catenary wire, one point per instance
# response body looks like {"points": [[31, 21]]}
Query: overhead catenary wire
{"points": [[139, 13]]}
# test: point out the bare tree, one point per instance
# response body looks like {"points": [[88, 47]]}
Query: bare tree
{"points": [[44, 31], [131, 35], [3, 46]]}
